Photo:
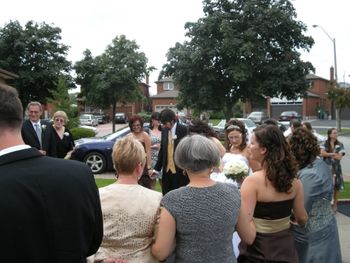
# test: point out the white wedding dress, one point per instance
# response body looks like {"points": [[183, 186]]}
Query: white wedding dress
{"points": [[220, 177]]}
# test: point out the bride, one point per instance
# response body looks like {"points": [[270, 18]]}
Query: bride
{"points": [[236, 149]]}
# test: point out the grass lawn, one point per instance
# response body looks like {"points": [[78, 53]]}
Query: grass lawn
{"points": [[345, 194], [343, 132]]}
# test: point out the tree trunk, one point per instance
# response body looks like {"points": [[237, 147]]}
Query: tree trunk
{"points": [[114, 107], [337, 118]]}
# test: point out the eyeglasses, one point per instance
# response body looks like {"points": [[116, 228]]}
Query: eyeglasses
{"points": [[59, 120]]}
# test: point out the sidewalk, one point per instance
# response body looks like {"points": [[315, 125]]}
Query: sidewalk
{"points": [[344, 230]]}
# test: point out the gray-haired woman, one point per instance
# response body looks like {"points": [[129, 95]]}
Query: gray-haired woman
{"points": [[203, 215]]}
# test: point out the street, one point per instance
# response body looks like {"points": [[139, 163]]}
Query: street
{"points": [[104, 129]]}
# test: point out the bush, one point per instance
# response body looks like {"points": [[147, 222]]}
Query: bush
{"points": [[146, 116], [79, 132]]}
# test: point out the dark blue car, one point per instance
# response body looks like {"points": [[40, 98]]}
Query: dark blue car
{"points": [[97, 152]]}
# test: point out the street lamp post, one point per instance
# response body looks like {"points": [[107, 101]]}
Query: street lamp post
{"points": [[335, 66], [334, 51]]}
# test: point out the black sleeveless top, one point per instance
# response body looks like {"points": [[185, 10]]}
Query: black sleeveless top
{"points": [[273, 210]]}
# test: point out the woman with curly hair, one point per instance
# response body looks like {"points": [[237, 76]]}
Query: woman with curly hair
{"points": [[270, 195], [319, 240]]}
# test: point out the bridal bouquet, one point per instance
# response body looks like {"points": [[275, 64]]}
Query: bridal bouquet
{"points": [[236, 170]]}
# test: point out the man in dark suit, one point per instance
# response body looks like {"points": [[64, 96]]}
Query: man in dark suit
{"points": [[172, 132], [50, 208], [36, 132]]}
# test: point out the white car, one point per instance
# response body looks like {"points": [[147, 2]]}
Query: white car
{"points": [[88, 119]]}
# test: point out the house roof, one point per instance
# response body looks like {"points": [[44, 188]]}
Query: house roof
{"points": [[311, 94], [169, 79], [7, 75], [344, 85], [313, 76], [168, 94]]}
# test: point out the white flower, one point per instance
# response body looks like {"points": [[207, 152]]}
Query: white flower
{"points": [[174, 137], [236, 169], [43, 127], [66, 134]]}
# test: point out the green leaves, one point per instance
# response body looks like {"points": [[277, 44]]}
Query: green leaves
{"points": [[35, 53], [114, 76], [240, 50]]}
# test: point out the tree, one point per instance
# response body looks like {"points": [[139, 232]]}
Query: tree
{"points": [[113, 76], [240, 50], [36, 54], [340, 98], [62, 101]]}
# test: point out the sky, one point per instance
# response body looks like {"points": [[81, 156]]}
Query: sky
{"points": [[156, 25]]}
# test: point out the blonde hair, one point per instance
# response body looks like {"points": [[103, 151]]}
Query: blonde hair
{"points": [[62, 114], [127, 154]]}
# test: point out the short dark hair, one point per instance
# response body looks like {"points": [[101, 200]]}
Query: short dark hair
{"points": [[11, 110], [200, 127], [155, 116], [167, 115], [295, 123]]}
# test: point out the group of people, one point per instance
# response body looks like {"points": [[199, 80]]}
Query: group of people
{"points": [[281, 213], [52, 210]]}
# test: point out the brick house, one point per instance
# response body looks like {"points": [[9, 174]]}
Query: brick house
{"points": [[167, 93], [309, 107], [133, 108]]}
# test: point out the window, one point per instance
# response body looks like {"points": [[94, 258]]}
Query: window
{"points": [[168, 86]]}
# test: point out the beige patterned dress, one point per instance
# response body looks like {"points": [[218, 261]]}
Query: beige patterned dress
{"points": [[130, 217]]}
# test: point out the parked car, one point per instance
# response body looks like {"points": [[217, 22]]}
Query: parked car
{"points": [[289, 115], [121, 117], [258, 117], [101, 117], [220, 127], [97, 152], [88, 119]]}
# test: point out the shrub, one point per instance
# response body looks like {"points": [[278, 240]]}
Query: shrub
{"points": [[79, 132], [146, 116]]}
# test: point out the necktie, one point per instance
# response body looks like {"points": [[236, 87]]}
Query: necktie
{"points": [[38, 132], [171, 164]]}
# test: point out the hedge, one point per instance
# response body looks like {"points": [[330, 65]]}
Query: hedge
{"points": [[79, 132]]}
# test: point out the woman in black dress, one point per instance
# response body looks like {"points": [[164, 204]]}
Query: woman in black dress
{"points": [[64, 142]]}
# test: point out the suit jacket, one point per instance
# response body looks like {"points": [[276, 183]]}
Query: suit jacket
{"points": [[48, 141], [181, 131], [50, 209]]}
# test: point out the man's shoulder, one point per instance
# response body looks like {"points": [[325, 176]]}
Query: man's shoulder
{"points": [[182, 128], [26, 123]]}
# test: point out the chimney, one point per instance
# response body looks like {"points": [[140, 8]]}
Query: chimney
{"points": [[331, 72]]}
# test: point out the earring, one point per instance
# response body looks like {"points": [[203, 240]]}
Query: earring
{"points": [[184, 173]]}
